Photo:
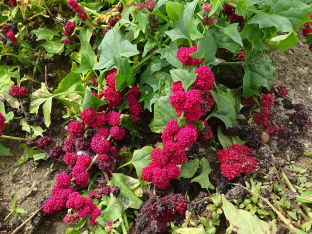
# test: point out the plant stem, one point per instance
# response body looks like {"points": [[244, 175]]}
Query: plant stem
{"points": [[45, 5], [190, 42], [256, 100], [13, 138], [34, 16], [89, 10], [26, 221]]}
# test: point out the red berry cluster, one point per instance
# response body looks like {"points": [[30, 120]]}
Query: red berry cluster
{"points": [[183, 55], [237, 160], [109, 161], [134, 106], [247, 102], [157, 211], [234, 18], [241, 55], [18, 92], [68, 31], [80, 171], [57, 152], [206, 19], [43, 142], [2, 123], [83, 206], [266, 116], [307, 28], [73, 4], [111, 24], [149, 5], [72, 218], [282, 91], [163, 167], [12, 3], [99, 192], [206, 134], [206, 7]]}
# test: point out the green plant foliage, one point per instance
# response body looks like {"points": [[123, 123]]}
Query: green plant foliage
{"points": [[189, 169], [27, 154], [4, 151], [91, 101], [203, 177]]}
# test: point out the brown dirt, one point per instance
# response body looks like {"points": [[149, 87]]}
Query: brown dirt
{"points": [[292, 71]]}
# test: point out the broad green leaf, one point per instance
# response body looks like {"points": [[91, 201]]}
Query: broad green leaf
{"points": [[72, 231], [231, 42], [27, 154], [298, 231], [72, 82], [148, 96], [186, 26], [119, 181], [258, 72], [224, 109], [170, 54], [47, 107], [20, 210], [191, 231], [207, 48], [142, 18], [199, 125], [114, 43], [174, 10], [181, 75], [286, 15], [163, 112], [5, 151], [53, 47], [189, 169], [225, 141], [44, 33], [215, 6], [284, 42], [203, 178], [112, 212], [40, 156], [5, 80], [141, 158], [127, 122], [124, 77], [91, 101], [255, 35], [241, 8], [134, 185], [232, 32], [243, 220], [236, 140], [148, 46], [34, 131]]}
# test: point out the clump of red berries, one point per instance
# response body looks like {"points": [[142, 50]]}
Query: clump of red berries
{"points": [[18, 92], [282, 91], [237, 160], [68, 31], [183, 55], [234, 18], [99, 192], [73, 4], [10, 33], [12, 3], [43, 142], [2, 124], [247, 102], [57, 152], [241, 55]]}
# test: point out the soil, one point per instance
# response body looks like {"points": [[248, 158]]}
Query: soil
{"points": [[293, 71]]}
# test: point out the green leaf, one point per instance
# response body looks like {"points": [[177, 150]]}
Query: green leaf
{"points": [[236, 140], [112, 212], [181, 75], [44, 33], [53, 47], [114, 43], [191, 231], [174, 10], [91, 101], [225, 141], [147, 97], [124, 77], [243, 220], [170, 54], [27, 154], [47, 107], [72, 231], [5, 80], [207, 48], [241, 8], [225, 109], [215, 6], [203, 178], [34, 131], [141, 158], [186, 27], [20, 210], [127, 122], [199, 125], [286, 16], [163, 112], [256, 75], [119, 181], [232, 32], [40, 156], [254, 35], [189, 169], [284, 42], [142, 18], [134, 185], [4, 151]]}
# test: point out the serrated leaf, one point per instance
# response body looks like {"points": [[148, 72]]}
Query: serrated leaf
{"points": [[114, 43], [141, 158], [91, 101], [44, 33], [243, 220], [286, 15], [207, 48], [119, 181], [181, 75], [174, 10], [5, 151], [163, 112], [189, 169], [258, 72], [254, 34], [225, 109], [53, 47], [203, 178], [186, 26], [27, 154], [284, 42], [124, 77]]}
